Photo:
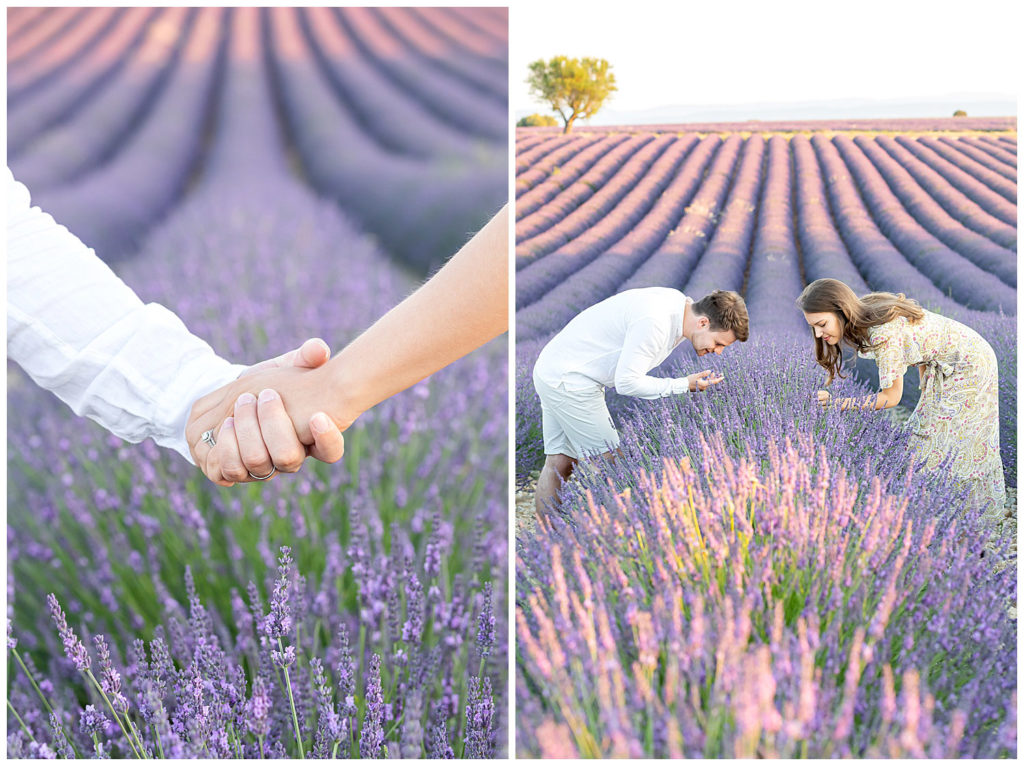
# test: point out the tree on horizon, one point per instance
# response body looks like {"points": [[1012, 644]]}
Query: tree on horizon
{"points": [[573, 87]]}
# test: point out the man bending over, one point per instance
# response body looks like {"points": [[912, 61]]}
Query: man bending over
{"points": [[615, 343]]}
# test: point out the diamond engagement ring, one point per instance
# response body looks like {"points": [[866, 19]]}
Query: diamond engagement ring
{"points": [[208, 438], [264, 478]]}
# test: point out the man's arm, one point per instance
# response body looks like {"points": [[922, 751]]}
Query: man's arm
{"points": [[644, 343], [82, 333]]}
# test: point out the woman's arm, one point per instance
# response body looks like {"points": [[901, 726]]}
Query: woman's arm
{"points": [[460, 308]]}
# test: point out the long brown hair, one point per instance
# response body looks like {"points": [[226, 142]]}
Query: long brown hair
{"points": [[855, 315]]}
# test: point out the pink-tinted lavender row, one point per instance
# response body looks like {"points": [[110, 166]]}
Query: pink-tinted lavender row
{"points": [[390, 117], [102, 126], [586, 201], [485, 72], [41, 109], [618, 209], [799, 593], [112, 207], [557, 181], [52, 61], [420, 208], [52, 26], [21, 20], [444, 95], [957, 204]]}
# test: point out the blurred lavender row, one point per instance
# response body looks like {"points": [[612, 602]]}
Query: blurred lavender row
{"points": [[398, 114], [356, 610]]}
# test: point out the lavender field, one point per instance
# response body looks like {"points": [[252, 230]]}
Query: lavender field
{"points": [[802, 592], [269, 175]]}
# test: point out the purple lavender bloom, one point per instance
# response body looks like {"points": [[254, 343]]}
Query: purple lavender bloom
{"points": [[92, 721], [284, 658], [479, 737], [60, 743], [371, 739], [485, 623], [73, 648], [278, 622], [258, 720], [440, 747], [413, 627], [110, 679]]}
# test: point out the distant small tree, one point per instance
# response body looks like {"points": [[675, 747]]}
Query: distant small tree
{"points": [[959, 113], [574, 87], [537, 121]]}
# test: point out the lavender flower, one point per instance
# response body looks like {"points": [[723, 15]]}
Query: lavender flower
{"points": [[110, 679], [278, 622], [92, 721], [439, 745], [284, 658], [73, 648], [485, 623], [479, 720], [60, 744], [258, 720], [371, 739]]}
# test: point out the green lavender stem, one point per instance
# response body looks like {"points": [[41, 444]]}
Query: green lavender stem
{"points": [[291, 701], [23, 726]]}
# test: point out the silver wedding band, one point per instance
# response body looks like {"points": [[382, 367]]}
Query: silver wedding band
{"points": [[264, 478], [208, 438]]}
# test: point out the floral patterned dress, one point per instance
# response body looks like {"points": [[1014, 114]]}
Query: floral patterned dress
{"points": [[958, 412]]}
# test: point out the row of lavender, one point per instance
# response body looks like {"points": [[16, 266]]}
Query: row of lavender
{"points": [[762, 217], [617, 218], [390, 110], [798, 593], [355, 610]]}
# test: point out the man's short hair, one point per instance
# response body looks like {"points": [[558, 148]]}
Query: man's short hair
{"points": [[726, 311]]}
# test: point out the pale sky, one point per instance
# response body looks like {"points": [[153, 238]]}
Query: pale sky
{"points": [[722, 52]]}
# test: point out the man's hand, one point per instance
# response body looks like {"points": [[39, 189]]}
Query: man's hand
{"points": [[256, 436], [699, 381]]}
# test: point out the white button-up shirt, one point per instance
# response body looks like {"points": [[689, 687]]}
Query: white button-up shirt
{"points": [[82, 333], [617, 342]]}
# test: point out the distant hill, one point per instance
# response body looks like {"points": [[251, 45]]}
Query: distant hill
{"points": [[976, 105]]}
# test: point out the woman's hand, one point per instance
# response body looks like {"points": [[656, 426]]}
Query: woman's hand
{"points": [[824, 398]]}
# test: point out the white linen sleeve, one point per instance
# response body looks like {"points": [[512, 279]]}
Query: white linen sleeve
{"points": [[82, 333], [643, 348]]}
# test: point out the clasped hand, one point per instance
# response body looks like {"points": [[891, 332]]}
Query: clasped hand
{"points": [[270, 419]]}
